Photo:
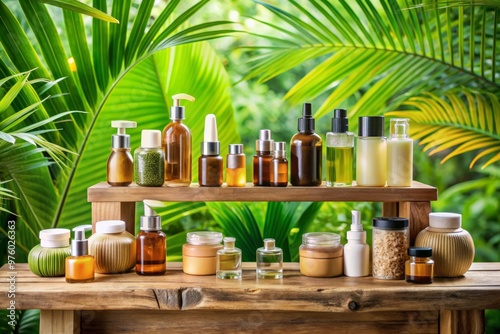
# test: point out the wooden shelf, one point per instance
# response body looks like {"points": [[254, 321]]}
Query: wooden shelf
{"points": [[418, 192], [316, 301]]}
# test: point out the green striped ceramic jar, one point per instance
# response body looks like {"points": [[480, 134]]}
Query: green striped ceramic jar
{"points": [[48, 258]]}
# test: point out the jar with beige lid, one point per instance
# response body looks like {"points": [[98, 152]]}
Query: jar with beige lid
{"points": [[452, 246], [321, 255], [113, 248], [199, 254]]}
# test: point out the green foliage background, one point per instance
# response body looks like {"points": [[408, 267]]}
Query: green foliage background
{"points": [[433, 61]]}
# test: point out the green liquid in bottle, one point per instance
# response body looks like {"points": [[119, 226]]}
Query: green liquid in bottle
{"points": [[339, 166]]}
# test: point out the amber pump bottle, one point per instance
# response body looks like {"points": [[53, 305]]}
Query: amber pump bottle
{"points": [[262, 159], [120, 167], [236, 173], [151, 243], [210, 163], [80, 265], [279, 165], [306, 152], [177, 146]]}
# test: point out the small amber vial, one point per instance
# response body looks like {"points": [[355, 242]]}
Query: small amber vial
{"points": [[236, 173], [420, 267], [279, 166]]}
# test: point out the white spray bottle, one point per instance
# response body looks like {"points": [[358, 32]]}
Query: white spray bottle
{"points": [[356, 251]]}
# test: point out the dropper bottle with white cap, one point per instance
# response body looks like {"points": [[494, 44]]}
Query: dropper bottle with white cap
{"points": [[120, 167], [356, 251], [210, 163]]}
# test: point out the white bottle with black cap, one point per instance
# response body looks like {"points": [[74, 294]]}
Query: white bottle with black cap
{"points": [[120, 167], [262, 159], [151, 242], [177, 146], [371, 152], [356, 251], [80, 266]]}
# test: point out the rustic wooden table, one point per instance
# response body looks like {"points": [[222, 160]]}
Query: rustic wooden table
{"points": [[180, 303]]}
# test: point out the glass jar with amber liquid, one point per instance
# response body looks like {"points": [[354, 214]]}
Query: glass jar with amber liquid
{"points": [[420, 267]]}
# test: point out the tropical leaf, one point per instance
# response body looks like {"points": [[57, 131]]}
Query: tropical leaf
{"points": [[144, 95], [386, 50], [463, 120], [79, 7]]}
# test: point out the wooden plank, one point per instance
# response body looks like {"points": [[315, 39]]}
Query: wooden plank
{"points": [[418, 192], [461, 321], [114, 211], [257, 321], [56, 321], [476, 290]]}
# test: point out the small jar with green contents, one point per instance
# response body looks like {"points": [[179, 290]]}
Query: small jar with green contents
{"points": [[48, 258], [149, 160]]}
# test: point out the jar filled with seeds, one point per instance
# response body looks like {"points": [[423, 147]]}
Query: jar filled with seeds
{"points": [[390, 244], [149, 164]]}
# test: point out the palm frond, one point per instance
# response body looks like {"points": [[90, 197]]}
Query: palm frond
{"points": [[461, 121], [80, 7], [430, 49]]}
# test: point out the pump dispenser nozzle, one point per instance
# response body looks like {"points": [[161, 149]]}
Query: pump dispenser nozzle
{"points": [[210, 144], [306, 122], [177, 111], [121, 139], [151, 221], [79, 245]]}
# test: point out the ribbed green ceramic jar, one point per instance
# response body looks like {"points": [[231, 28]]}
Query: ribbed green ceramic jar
{"points": [[47, 259]]}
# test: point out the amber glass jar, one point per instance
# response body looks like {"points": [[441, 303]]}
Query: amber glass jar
{"points": [[420, 267], [321, 255]]}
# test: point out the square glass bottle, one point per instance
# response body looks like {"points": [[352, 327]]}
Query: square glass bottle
{"points": [[269, 261], [229, 260]]}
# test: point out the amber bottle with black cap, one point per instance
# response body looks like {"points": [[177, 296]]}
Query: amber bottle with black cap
{"points": [[306, 152]]}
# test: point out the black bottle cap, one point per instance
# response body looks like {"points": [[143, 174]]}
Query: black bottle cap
{"points": [[340, 123], [371, 126], [390, 222], [306, 122], [420, 251]]}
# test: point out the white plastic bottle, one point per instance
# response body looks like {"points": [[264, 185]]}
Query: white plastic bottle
{"points": [[356, 251]]}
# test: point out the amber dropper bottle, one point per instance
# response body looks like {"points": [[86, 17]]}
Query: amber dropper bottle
{"points": [[80, 265], [279, 166], [151, 243], [262, 159], [210, 163]]}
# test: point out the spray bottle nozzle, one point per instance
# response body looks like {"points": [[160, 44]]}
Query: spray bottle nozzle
{"points": [[307, 110], [356, 221]]}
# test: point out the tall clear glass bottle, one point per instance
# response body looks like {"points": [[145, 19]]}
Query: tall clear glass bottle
{"points": [[269, 260], [371, 152], [339, 151], [306, 152], [279, 166], [229, 260], [399, 154]]}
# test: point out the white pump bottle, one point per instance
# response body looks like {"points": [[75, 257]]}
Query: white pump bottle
{"points": [[356, 251]]}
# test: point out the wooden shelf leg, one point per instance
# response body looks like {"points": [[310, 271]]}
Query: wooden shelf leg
{"points": [[461, 321], [416, 212], [56, 321], [114, 211]]}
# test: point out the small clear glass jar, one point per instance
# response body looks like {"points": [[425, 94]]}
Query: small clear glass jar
{"points": [[321, 255], [229, 260], [199, 254], [269, 260], [390, 244], [420, 267], [113, 248], [47, 259]]}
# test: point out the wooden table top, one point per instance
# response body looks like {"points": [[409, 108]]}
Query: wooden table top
{"points": [[479, 288], [418, 192]]}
